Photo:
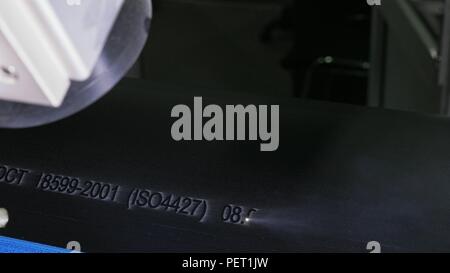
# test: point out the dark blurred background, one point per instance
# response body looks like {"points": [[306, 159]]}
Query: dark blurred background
{"points": [[340, 51], [264, 47]]}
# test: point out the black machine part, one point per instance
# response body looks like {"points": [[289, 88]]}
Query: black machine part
{"points": [[343, 176]]}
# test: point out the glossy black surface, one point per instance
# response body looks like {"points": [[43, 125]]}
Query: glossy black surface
{"points": [[342, 176]]}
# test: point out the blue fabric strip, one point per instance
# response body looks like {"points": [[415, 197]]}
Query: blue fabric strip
{"points": [[10, 245]]}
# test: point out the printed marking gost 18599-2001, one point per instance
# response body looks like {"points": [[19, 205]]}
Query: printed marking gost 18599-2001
{"points": [[132, 198]]}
